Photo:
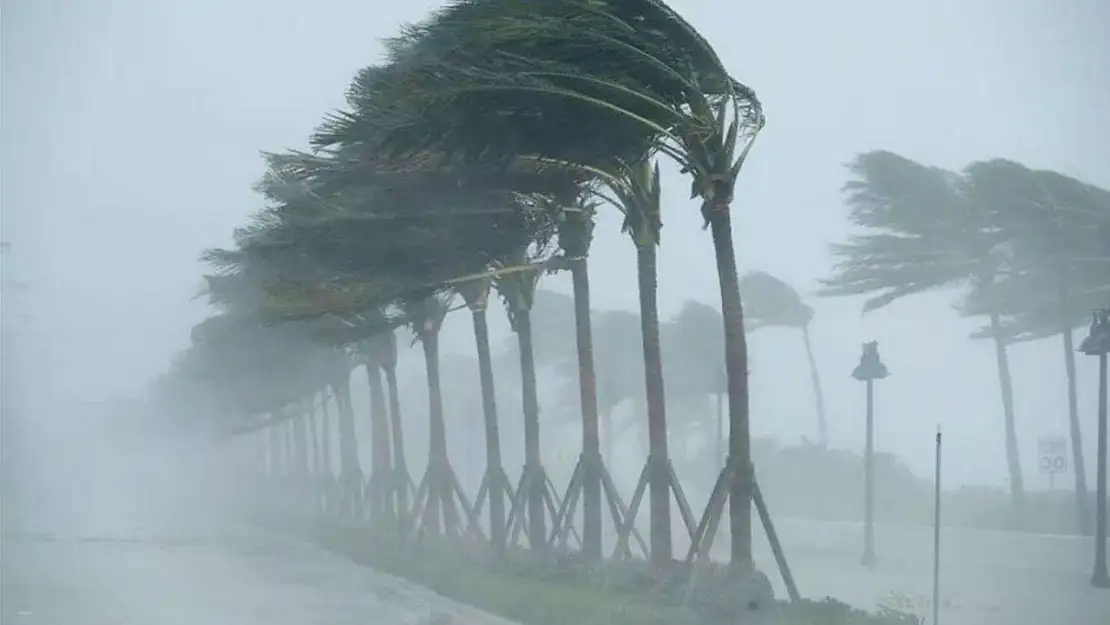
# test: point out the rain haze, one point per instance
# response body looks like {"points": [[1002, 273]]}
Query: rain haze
{"points": [[131, 143]]}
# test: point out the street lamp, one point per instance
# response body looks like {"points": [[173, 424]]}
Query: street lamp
{"points": [[1097, 343], [869, 369]]}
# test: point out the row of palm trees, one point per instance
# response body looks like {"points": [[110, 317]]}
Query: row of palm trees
{"points": [[474, 159]]}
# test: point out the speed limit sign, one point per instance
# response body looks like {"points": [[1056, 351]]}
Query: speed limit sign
{"points": [[1052, 455]]}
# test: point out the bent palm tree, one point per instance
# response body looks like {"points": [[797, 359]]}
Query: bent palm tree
{"points": [[635, 191], [476, 295], [518, 289], [772, 302]]}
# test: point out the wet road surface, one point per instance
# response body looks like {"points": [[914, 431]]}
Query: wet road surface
{"points": [[987, 577], [230, 578], [140, 539]]}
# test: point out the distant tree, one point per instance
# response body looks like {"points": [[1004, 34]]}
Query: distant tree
{"points": [[692, 345], [923, 233], [769, 301], [1056, 231]]}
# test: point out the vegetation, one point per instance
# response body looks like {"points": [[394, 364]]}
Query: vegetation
{"points": [[569, 587], [1028, 248], [473, 161], [772, 302]]}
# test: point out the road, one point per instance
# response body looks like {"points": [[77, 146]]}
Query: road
{"points": [[987, 578], [227, 579], [127, 540]]}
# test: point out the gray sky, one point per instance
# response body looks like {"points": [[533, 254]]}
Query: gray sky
{"points": [[132, 129]]}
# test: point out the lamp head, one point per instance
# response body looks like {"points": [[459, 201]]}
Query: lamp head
{"points": [[870, 365], [1097, 341]]}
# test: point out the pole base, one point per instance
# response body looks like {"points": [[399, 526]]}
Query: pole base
{"points": [[1100, 579], [869, 560]]}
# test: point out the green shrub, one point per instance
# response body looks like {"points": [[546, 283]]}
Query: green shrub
{"points": [[564, 588]]}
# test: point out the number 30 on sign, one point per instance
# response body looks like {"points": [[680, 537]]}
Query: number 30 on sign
{"points": [[1052, 455]]}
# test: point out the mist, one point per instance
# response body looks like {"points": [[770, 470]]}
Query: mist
{"points": [[131, 140]]}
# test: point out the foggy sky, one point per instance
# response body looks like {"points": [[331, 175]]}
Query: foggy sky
{"points": [[132, 129]]}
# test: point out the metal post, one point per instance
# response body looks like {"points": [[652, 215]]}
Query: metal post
{"points": [[1100, 578], [869, 481], [1097, 343], [936, 535], [869, 369]]}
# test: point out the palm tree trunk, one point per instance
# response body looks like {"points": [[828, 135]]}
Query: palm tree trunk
{"points": [[587, 388], [658, 458], [300, 457], [437, 430], [260, 452], [313, 436], [818, 396], [736, 370], [348, 443], [1081, 503], [379, 440], [1006, 384], [719, 438], [275, 450], [537, 533], [494, 467], [400, 468], [325, 434]]}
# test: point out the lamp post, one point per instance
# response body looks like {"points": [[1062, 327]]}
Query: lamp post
{"points": [[1097, 343], [869, 369]]}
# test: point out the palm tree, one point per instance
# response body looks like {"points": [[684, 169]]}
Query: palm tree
{"points": [[472, 80], [381, 473], [772, 302], [635, 191], [924, 233], [476, 294], [427, 315], [1056, 226], [242, 368], [518, 289], [408, 226], [241, 295], [385, 349], [575, 234]]}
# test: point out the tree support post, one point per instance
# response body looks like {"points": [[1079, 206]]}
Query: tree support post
{"points": [[587, 467], [495, 486], [706, 531], [439, 497], [533, 484], [661, 470]]}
